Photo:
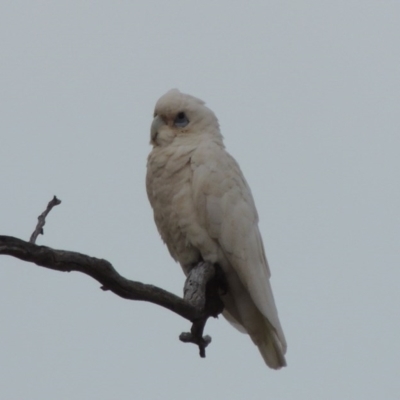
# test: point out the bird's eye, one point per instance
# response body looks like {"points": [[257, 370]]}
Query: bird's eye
{"points": [[181, 120]]}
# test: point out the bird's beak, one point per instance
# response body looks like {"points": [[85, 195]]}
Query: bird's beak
{"points": [[155, 126]]}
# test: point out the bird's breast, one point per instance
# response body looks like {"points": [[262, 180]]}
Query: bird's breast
{"points": [[169, 188]]}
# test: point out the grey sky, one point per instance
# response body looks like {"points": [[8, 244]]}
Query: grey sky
{"points": [[307, 94]]}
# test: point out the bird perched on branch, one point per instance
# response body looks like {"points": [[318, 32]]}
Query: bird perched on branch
{"points": [[204, 211]]}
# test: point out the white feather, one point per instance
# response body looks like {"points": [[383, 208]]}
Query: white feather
{"points": [[204, 209]]}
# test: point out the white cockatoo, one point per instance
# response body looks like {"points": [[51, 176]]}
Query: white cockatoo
{"points": [[204, 211]]}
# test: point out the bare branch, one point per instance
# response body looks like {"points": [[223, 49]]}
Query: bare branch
{"points": [[202, 290], [42, 219], [99, 269], [202, 287]]}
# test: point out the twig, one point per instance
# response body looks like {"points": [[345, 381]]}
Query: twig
{"points": [[42, 219], [195, 336]]}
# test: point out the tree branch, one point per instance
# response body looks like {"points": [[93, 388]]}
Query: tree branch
{"points": [[42, 219], [202, 290], [100, 270], [203, 294]]}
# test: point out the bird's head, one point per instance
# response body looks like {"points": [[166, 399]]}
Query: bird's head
{"points": [[177, 114]]}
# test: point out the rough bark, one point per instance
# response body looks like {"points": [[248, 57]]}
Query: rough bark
{"points": [[201, 292], [103, 271]]}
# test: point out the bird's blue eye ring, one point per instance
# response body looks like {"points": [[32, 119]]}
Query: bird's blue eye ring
{"points": [[181, 120]]}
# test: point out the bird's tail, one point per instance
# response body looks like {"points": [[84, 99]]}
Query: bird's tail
{"points": [[271, 348]]}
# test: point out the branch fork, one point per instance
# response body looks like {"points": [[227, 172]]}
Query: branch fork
{"points": [[202, 291], [203, 288]]}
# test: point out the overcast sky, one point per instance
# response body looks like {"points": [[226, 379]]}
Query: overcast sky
{"points": [[307, 94]]}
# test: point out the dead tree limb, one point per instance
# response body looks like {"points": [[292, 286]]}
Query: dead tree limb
{"points": [[42, 219], [201, 292], [102, 271], [99, 269]]}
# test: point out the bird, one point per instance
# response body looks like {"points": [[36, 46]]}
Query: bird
{"points": [[204, 211]]}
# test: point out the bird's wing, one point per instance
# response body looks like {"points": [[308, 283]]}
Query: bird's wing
{"points": [[226, 209]]}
